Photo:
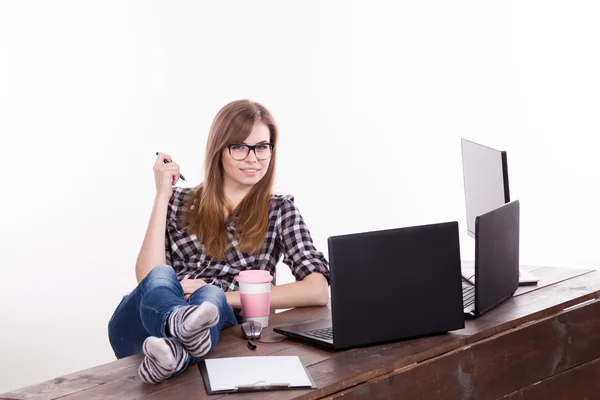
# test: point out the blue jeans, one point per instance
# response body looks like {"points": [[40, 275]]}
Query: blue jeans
{"points": [[144, 311]]}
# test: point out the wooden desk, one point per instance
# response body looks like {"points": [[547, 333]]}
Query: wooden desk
{"points": [[544, 343]]}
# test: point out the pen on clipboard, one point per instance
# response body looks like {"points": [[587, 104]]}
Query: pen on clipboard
{"points": [[263, 386], [166, 162]]}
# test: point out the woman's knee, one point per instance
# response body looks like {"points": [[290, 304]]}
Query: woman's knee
{"points": [[160, 275], [210, 293], [162, 271]]}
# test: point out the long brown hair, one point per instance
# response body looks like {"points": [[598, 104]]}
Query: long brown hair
{"points": [[204, 214]]}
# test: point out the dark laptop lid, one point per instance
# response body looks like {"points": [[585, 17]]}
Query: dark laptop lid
{"points": [[395, 284], [496, 256]]}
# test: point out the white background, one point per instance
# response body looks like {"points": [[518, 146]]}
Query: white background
{"points": [[371, 98]]}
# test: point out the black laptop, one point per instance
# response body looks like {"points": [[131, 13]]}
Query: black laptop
{"points": [[390, 285], [496, 260]]}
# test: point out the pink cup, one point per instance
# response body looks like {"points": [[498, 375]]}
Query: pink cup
{"points": [[255, 295]]}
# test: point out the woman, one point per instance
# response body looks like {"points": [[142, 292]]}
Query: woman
{"points": [[199, 239]]}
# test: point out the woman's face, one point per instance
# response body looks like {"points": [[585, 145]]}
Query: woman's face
{"points": [[245, 168]]}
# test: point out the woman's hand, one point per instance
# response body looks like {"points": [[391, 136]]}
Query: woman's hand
{"points": [[166, 175], [190, 286]]}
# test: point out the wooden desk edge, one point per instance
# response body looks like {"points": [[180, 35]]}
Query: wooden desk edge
{"points": [[416, 358], [363, 387]]}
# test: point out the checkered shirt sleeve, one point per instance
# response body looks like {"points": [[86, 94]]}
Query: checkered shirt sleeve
{"points": [[294, 238], [175, 203], [168, 255]]}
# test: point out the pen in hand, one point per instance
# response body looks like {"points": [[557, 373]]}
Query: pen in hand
{"points": [[180, 176]]}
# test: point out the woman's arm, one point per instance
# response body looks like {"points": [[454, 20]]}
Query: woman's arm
{"points": [[310, 291], [153, 252]]}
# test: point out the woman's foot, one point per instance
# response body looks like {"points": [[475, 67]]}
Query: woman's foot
{"points": [[163, 358], [191, 324]]}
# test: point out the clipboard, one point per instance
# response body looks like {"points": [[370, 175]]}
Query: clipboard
{"points": [[252, 374]]}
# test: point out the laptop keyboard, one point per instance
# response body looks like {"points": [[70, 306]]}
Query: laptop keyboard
{"points": [[326, 333], [468, 295]]}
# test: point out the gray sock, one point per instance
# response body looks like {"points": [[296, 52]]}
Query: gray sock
{"points": [[163, 358], [191, 324]]}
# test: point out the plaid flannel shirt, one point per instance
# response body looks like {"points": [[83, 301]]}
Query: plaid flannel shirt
{"points": [[287, 235]]}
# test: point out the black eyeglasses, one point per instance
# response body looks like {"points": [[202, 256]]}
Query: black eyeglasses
{"points": [[239, 152]]}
